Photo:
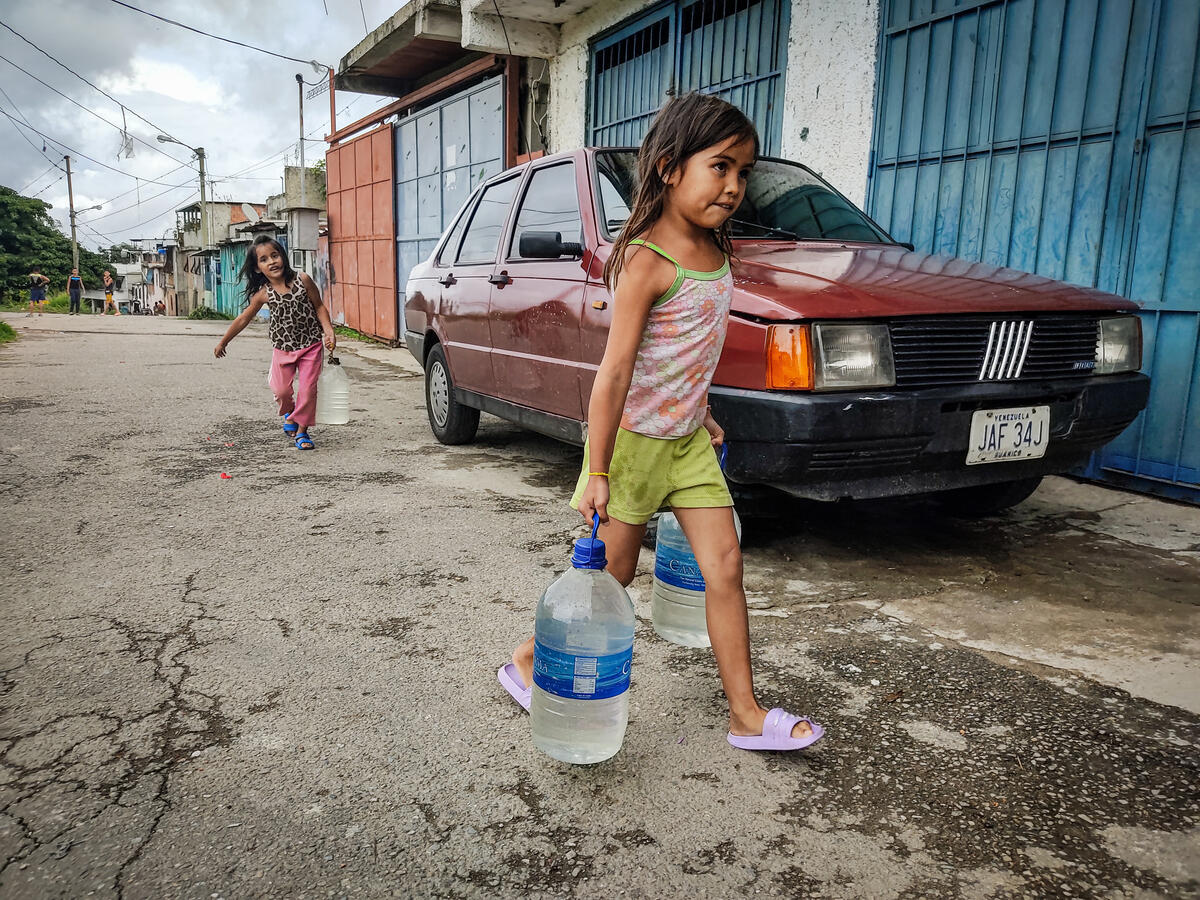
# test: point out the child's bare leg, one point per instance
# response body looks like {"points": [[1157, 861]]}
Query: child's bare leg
{"points": [[622, 542], [714, 541]]}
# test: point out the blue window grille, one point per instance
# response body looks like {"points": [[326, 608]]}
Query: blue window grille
{"points": [[735, 49], [1060, 137]]}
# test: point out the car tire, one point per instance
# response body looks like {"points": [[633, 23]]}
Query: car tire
{"points": [[451, 421], [987, 499]]}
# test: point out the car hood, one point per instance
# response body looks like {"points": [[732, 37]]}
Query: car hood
{"points": [[790, 280]]}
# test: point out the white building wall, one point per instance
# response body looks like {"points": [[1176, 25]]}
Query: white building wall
{"points": [[829, 86], [829, 90], [569, 71]]}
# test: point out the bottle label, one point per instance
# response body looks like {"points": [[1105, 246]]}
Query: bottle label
{"points": [[581, 677], [677, 568]]}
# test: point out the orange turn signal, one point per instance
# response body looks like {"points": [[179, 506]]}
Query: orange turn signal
{"points": [[789, 358]]}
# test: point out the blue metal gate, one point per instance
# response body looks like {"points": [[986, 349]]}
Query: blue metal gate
{"points": [[442, 153], [1060, 137], [735, 49]]}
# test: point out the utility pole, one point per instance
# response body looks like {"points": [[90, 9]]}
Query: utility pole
{"points": [[300, 91], [71, 202], [199, 151]]}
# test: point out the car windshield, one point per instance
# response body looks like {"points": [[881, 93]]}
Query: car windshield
{"points": [[783, 202]]}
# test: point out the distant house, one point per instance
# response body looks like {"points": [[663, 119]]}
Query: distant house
{"points": [[199, 231]]}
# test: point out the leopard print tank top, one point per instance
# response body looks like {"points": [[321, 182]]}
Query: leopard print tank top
{"points": [[294, 324]]}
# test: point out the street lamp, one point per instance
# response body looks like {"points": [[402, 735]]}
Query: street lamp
{"points": [[199, 151]]}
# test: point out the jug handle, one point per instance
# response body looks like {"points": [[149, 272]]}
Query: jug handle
{"points": [[595, 525], [724, 455]]}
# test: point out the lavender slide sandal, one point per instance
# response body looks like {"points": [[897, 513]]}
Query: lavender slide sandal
{"points": [[511, 679], [777, 733]]}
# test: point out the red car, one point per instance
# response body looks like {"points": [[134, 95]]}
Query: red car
{"points": [[854, 367]]}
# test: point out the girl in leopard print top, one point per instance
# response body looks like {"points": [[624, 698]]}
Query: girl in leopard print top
{"points": [[299, 322]]}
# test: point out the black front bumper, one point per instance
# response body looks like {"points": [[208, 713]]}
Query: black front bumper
{"points": [[859, 445]]}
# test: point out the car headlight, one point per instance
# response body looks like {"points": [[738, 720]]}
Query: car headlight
{"points": [[852, 356], [1120, 347]]}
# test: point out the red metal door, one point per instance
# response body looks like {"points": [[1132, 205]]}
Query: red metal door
{"points": [[362, 237]]}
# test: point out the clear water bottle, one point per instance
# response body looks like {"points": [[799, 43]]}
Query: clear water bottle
{"points": [[333, 393], [677, 597], [583, 650]]}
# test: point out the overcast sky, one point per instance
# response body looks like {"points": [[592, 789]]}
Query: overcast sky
{"points": [[239, 105]]}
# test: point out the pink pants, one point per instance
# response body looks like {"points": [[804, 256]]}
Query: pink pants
{"points": [[286, 365]]}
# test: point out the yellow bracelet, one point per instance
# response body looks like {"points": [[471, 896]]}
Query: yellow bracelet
{"points": [[601, 474]]}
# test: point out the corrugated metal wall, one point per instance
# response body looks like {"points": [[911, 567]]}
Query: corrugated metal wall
{"points": [[362, 252], [735, 49], [229, 295], [442, 153], [1060, 137]]}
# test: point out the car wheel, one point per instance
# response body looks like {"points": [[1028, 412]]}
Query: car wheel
{"points": [[452, 423], [987, 499]]}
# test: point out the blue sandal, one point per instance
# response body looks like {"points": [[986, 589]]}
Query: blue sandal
{"points": [[289, 427], [302, 439]]}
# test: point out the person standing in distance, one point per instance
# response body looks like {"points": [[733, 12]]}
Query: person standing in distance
{"points": [[109, 287], [37, 290], [75, 290]]}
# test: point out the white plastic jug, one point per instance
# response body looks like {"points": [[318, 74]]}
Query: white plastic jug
{"points": [[333, 393]]}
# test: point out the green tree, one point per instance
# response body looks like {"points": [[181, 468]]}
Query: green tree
{"points": [[28, 238]]}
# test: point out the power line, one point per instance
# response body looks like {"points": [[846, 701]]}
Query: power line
{"points": [[50, 185], [140, 202], [92, 111], [364, 15], [215, 37], [58, 62], [15, 124], [38, 178], [138, 186], [77, 153], [174, 205]]}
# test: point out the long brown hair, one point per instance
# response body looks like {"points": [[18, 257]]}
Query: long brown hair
{"points": [[683, 127]]}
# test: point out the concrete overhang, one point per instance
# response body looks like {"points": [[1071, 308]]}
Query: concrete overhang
{"points": [[426, 38]]}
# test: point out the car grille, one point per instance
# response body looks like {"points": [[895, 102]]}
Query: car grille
{"points": [[877, 453], [933, 351]]}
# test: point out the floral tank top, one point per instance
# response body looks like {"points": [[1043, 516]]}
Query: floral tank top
{"points": [[678, 355], [294, 324]]}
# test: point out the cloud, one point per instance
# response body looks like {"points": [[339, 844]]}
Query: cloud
{"points": [[170, 80], [239, 105]]}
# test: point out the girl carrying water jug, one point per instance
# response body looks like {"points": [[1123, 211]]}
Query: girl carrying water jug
{"points": [[651, 436], [299, 323]]}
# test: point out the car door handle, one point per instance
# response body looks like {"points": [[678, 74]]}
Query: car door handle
{"points": [[500, 280], [448, 280]]}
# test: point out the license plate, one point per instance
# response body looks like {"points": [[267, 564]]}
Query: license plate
{"points": [[1003, 435]]}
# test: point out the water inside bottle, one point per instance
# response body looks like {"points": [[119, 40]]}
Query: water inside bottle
{"points": [[583, 647]]}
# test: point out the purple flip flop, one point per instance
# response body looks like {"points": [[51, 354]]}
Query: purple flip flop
{"points": [[777, 733], [511, 679]]}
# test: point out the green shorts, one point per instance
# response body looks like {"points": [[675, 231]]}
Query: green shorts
{"points": [[648, 474]]}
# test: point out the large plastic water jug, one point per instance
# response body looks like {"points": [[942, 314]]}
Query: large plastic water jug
{"points": [[333, 393], [583, 650], [677, 597]]}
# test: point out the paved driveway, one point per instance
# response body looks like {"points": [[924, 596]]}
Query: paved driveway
{"points": [[283, 683]]}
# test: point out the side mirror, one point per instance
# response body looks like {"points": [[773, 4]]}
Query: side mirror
{"points": [[547, 245]]}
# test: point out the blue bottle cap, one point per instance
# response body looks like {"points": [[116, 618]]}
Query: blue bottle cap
{"points": [[589, 554]]}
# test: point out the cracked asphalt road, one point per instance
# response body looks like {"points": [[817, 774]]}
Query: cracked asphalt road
{"points": [[283, 683]]}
